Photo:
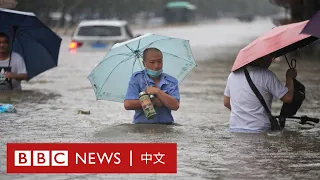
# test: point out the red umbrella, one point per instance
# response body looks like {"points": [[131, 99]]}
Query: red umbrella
{"points": [[276, 42]]}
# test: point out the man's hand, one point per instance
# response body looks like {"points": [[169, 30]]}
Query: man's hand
{"points": [[18, 77], [157, 102], [167, 100], [291, 73], [10, 75], [152, 90]]}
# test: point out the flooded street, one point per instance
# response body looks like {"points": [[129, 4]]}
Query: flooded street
{"points": [[48, 112]]}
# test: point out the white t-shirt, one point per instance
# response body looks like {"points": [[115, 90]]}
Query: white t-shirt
{"points": [[247, 113], [17, 65]]}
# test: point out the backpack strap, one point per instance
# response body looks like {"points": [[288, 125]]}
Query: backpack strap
{"points": [[274, 123]]}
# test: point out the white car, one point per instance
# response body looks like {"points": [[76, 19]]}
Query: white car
{"points": [[96, 35]]}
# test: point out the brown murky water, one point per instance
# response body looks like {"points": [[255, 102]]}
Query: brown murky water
{"points": [[47, 112]]}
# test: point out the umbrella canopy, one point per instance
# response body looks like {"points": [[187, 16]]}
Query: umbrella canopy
{"points": [[313, 26], [276, 42], [110, 79], [34, 41], [181, 4]]}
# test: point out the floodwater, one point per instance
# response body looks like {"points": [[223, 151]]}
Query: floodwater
{"points": [[47, 112]]}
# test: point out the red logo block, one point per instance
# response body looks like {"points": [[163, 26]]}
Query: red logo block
{"points": [[40, 158], [92, 158]]}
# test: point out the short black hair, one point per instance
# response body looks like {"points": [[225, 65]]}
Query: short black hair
{"points": [[145, 52], [2, 34]]}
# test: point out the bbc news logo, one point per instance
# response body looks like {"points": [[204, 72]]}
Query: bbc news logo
{"points": [[92, 158], [41, 158]]}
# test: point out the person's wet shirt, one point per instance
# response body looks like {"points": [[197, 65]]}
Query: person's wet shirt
{"points": [[167, 84]]}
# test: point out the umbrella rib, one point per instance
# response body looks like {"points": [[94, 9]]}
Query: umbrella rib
{"points": [[134, 62], [22, 48], [123, 54], [27, 34], [22, 52], [139, 44], [178, 57], [130, 48], [114, 69], [140, 55]]}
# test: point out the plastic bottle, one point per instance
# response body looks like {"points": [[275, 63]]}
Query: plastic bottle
{"points": [[147, 105]]}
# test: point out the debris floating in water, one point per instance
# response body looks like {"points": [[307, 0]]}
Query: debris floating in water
{"points": [[7, 108], [83, 112]]}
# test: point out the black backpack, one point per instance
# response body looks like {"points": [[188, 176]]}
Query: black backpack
{"points": [[290, 109]]}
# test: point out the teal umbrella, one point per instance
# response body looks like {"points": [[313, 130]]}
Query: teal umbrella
{"points": [[181, 4], [110, 78]]}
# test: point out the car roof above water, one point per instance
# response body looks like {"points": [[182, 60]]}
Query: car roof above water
{"points": [[103, 22]]}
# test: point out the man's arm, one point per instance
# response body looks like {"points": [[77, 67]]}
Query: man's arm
{"points": [[18, 77], [132, 104], [290, 75], [157, 102], [278, 89], [226, 98], [169, 101], [226, 101], [287, 98], [22, 73]]}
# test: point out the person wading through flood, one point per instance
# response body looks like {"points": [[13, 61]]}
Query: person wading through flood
{"points": [[13, 69], [247, 112], [163, 86]]}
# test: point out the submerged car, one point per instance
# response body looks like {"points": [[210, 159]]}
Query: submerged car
{"points": [[95, 35]]}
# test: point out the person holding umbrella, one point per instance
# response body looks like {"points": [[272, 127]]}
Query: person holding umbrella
{"points": [[144, 73], [251, 86], [247, 113], [163, 86], [12, 67], [34, 47]]}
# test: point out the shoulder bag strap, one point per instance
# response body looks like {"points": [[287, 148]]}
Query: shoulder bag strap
{"points": [[274, 123], [256, 91]]}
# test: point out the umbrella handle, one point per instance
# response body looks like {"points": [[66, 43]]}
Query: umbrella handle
{"points": [[15, 28], [292, 64]]}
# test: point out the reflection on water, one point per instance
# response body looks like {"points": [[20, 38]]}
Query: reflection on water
{"points": [[27, 96], [125, 130]]}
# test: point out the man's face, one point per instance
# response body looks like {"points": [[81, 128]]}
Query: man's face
{"points": [[4, 45], [153, 61]]}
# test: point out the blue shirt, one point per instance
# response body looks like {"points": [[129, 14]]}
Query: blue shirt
{"points": [[167, 84]]}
